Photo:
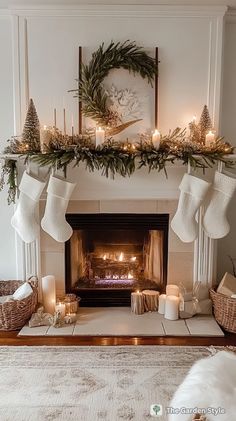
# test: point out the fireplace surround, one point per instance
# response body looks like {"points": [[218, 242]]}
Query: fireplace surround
{"points": [[111, 255]]}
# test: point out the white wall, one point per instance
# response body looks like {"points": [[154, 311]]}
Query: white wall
{"points": [[189, 75], [227, 246], [7, 235]]}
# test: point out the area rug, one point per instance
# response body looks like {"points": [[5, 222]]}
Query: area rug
{"points": [[90, 383]]}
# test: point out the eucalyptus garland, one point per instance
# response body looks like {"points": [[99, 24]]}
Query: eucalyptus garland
{"points": [[94, 98]]}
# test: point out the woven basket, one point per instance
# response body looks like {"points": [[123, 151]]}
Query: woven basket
{"points": [[14, 314], [224, 310]]}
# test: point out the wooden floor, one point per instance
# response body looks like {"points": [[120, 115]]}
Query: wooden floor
{"points": [[11, 339]]}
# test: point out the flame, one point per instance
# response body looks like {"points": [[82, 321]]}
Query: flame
{"points": [[130, 276], [104, 257], [133, 258], [121, 257]]}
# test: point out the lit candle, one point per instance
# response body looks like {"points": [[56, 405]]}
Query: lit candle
{"points": [[156, 137], [172, 307], [100, 136], [210, 137], [172, 290], [62, 308], [49, 293], [45, 137], [161, 304]]}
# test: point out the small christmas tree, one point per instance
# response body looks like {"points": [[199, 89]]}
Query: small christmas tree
{"points": [[31, 130], [205, 123]]}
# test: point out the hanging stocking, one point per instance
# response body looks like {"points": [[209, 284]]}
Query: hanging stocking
{"points": [[54, 222], [215, 223], [192, 192], [24, 220]]}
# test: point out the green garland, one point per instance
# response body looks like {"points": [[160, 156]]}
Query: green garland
{"points": [[91, 91], [121, 158]]}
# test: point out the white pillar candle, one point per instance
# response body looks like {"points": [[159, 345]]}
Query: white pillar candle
{"points": [[45, 137], [162, 303], [49, 293], [172, 307], [210, 138], [62, 308], [100, 136], [172, 290], [156, 138]]}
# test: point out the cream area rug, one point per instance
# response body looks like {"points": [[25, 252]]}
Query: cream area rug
{"points": [[90, 383]]}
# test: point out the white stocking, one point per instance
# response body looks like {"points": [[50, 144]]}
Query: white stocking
{"points": [[215, 223], [23, 219], [54, 222], [192, 192]]}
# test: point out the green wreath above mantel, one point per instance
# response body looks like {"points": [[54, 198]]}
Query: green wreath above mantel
{"points": [[54, 149]]}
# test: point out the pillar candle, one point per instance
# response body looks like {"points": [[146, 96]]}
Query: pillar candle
{"points": [[172, 290], [162, 303], [137, 302], [49, 293], [172, 307], [62, 308], [156, 137], [210, 137], [45, 137], [100, 136]]}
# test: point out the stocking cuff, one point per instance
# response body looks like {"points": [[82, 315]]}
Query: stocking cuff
{"points": [[60, 188], [31, 187], [224, 184], [194, 186]]}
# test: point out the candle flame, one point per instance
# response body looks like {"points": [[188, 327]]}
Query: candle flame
{"points": [[45, 127]]}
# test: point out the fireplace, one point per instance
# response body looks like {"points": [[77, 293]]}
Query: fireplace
{"points": [[111, 255]]}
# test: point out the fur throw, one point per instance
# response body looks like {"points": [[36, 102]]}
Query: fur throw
{"points": [[210, 385]]}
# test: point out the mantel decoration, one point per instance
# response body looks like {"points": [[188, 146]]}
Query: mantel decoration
{"points": [[97, 148]]}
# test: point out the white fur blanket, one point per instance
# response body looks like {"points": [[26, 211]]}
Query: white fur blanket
{"points": [[210, 385]]}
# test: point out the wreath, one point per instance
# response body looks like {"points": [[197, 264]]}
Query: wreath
{"points": [[91, 92]]}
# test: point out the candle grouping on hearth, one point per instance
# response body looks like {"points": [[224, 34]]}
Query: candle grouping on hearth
{"points": [[169, 302]]}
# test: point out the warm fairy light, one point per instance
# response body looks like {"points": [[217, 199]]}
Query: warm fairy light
{"points": [[194, 119], [133, 258], [125, 148], [133, 147], [44, 127], [121, 257]]}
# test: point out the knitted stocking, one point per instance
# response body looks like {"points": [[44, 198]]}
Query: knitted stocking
{"points": [[215, 223], [54, 222], [23, 219], [192, 192]]}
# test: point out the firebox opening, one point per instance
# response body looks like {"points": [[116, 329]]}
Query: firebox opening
{"points": [[116, 254]]}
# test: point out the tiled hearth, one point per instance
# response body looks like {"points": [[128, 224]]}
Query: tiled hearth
{"points": [[119, 321]]}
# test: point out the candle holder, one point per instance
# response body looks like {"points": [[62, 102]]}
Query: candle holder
{"points": [[71, 302]]}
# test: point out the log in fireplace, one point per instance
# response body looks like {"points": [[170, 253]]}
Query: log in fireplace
{"points": [[111, 255]]}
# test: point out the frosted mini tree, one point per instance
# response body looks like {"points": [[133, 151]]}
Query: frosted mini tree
{"points": [[31, 130], [205, 123]]}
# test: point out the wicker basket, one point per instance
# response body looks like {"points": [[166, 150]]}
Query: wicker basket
{"points": [[224, 310], [14, 314]]}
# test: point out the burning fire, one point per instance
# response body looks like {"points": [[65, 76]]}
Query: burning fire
{"points": [[130, 276], [121, 257], [133, 258], [104, 257]]}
